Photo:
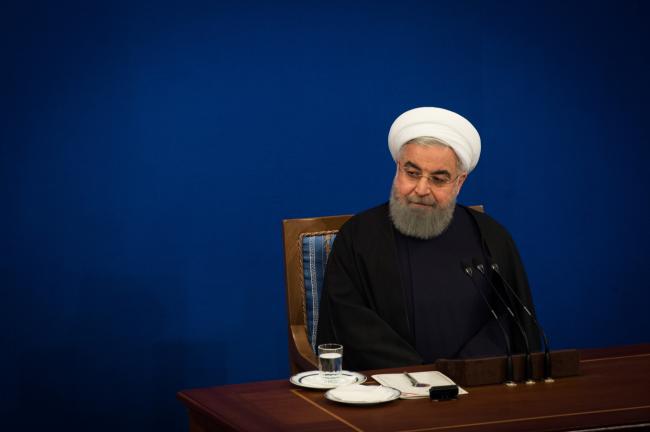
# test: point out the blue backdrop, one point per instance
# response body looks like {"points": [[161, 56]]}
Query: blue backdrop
{"points": [[150, 150]]}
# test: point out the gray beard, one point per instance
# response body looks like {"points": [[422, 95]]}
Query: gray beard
{"points": [[419, 223]]}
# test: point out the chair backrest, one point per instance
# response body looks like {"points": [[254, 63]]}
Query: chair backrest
{"points": [[307, 244]]}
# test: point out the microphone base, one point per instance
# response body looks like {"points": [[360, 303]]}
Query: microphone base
{"points": [[492, 370]]}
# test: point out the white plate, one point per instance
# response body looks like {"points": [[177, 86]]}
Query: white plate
{"points": [[363, 395], [312, 380]]}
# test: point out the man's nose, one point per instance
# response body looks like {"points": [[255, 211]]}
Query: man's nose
{"points": [[422, 186]]}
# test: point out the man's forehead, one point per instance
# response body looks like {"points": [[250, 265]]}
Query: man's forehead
{"points": [[429, 158]]}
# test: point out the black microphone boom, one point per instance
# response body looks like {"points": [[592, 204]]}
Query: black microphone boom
{"points": [[467, 268], [547, 351], [528, 361]]}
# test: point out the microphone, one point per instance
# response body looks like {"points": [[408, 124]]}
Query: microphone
{"points": [[528, 361], [467, 268], [547, 352]]}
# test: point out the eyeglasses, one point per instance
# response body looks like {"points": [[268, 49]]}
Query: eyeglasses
{"points": [[434, 180]]}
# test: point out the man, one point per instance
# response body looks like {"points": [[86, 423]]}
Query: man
{"points": [[395, 290]]}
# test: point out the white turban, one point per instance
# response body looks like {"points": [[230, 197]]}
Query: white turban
{"points": [[450, 128]]}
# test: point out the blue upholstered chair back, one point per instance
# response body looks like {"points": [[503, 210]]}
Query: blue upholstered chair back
{"points": [[315, 248]]}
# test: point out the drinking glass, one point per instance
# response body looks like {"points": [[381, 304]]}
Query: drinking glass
{"points": [[330, 361]]}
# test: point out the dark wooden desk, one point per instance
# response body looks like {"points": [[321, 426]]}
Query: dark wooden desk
{"points": [[612, 390]]}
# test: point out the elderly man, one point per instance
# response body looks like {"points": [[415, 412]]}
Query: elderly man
{"points": [[395, 290]]}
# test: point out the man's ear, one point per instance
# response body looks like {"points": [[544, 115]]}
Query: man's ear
{"points": [[461, 181]]}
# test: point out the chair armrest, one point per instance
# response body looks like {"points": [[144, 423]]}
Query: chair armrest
{"points": [[305, 359]]}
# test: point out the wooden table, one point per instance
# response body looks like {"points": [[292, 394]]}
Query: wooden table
{"points": [[612, 390]]}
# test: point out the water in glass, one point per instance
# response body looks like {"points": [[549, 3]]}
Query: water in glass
{"points": [[330, 361]]}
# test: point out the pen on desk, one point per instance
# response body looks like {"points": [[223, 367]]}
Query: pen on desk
{"points": [[415, 382]]}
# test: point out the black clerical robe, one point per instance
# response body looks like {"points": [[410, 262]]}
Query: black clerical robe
{"points": [[364, 301]]}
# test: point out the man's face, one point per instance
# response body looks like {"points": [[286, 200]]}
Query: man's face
{"points": [[423, 196], [431, 162]]}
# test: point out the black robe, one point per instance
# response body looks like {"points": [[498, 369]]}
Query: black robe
{"points": [[363, 304]]}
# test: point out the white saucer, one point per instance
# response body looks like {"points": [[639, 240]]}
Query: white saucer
{"points": [[313, 380], [362, 395]]}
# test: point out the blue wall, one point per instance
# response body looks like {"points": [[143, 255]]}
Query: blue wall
{"points": [[149, 152]]}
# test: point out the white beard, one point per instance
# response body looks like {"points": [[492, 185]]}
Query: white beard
{"points": [[422, 223]]}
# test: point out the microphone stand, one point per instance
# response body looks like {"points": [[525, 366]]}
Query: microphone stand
{"points": [[528, 360], [547, 352], [509, 370]]}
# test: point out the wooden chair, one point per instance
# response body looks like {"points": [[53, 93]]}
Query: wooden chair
{"points": [[307, 242], [296, 234]]}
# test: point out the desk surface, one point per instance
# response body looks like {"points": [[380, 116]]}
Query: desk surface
{"points": [[613, 389]]}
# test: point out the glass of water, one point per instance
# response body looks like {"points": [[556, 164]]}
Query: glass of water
{"points": [[330, 361]]}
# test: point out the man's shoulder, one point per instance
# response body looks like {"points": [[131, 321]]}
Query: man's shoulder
{"points": [[367, 223], [374, 214], [488, 226], [368, 219]]}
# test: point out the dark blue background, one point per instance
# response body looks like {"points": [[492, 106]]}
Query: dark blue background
{"points": [[150, 150]]}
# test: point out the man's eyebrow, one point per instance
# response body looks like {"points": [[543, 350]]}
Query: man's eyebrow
{"points": [[410, 164], [442, 171]]}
